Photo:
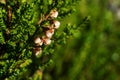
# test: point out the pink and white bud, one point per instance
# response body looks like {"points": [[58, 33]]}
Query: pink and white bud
{"points": [[38, 41], [56, 24], [54, 14], [49, 33], [37, 51], [46, 41]]}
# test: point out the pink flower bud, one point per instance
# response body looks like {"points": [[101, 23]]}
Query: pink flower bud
{"points": [[56, 24], [54, 14], [37, 51], [38, 41], [46, 41], [49, 33]]}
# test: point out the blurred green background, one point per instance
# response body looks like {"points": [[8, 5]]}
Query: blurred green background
{"points": [[93, 53]]}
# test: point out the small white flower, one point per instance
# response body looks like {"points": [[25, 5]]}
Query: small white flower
{"points": [[56, 24], [37, 51], [38, 41], [54, 14], [49, 33], [46, 41]]}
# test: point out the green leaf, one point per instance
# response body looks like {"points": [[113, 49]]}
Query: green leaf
{"points": [[1, 38], [38, 75], [50, 2], [23, 1]]}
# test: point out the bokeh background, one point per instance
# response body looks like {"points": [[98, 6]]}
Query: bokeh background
{"points": [[93, 53]]}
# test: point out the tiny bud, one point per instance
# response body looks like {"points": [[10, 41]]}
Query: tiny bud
{"points": [[38, 41], [53, 14], [56, 24], [46, 41], [37, 51], [49, 33]]}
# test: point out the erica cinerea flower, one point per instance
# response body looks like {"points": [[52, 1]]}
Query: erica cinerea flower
{"points": [[49, 33], [46, 41], [37, 51], [48, 29], [54, 14], [38, 41], [56, 24]]}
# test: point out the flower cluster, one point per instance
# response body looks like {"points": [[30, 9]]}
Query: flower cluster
{"points": [[46, 38]]}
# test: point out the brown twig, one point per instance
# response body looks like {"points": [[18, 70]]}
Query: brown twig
{"points": [[9, 16]]}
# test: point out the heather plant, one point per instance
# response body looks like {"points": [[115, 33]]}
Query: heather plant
{"points": [[30, 32]]}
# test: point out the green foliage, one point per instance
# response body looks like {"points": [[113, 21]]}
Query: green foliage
{"points": [[85, 47], [94, 51], [20, 22]]}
